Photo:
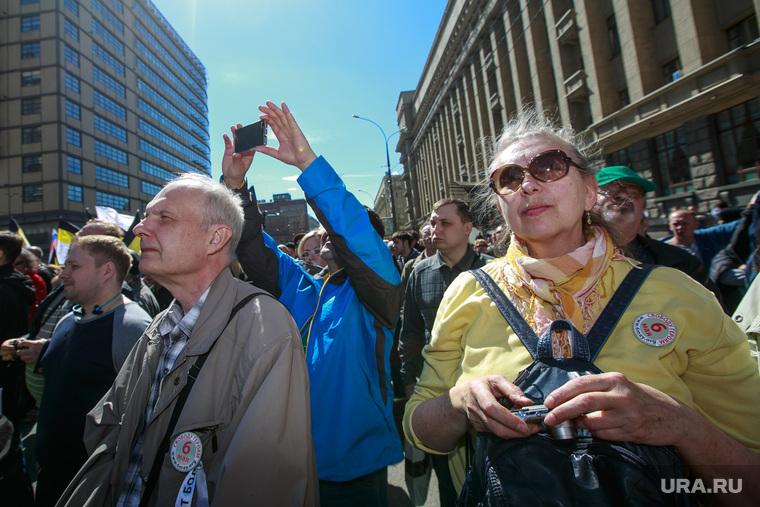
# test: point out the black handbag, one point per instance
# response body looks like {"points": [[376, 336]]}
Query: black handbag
{"points": [[581, 470]]}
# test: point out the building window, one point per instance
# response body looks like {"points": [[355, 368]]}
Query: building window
{"points": [[72, 109], [673, 163], [71, 29], [107, 58], [30, 23], [30, 77], [73, 164], [156, 171], [73, 6], [108, 15], [108, 81], [149, 188], [739, 140], [30, 50], [71, 56], [624, 98], [111, 129], [73, 137], [32, 193], [31, 164], [74, 193], [620, 157], [110, 200], [31, 135], [661, 9], [29, 2], [107, 36], [117, 5], [72, 82], [31, 106], [110, 152], [612, 35], [109, 176], [109, 105], [672, 70], [742, 33]]}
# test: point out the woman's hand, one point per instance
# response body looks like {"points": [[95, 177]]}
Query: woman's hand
{"points": [[614, 408], [235, 165], [294, 149]]}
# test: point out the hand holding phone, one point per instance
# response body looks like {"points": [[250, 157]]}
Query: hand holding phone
{"points": [[250, 136]]}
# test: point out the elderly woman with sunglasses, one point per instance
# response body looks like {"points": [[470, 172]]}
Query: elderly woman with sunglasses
{"points": [[695, 389]]}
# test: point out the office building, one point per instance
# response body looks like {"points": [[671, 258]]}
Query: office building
{"points": [[102, 103], [284, 217], [669, 88]]}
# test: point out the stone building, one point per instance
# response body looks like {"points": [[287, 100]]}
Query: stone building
{"points": [[669, 88]]}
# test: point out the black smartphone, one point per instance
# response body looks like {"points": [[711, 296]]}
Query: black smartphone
{"points": [[250, 136]]}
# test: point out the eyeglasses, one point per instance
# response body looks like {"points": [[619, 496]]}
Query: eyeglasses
{"points": [[306, 253], [618, 191], [546, 167]]}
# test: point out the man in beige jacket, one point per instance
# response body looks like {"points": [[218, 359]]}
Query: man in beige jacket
{"points": [[244, 434]]}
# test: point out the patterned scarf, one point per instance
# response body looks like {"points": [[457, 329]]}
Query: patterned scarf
{"points": [[568, 287]]}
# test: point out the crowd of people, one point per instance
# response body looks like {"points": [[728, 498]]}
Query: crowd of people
{"points": [[218, 367]]}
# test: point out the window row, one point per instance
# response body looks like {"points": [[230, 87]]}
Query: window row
{"points": [[158, 116], [174, 144], [109, 105], [32, 105], [168, 158], [107, 36], [72, 82], [110, 152], [108, 81], [156, 171], [109, 60], [180, 51], [108, 15], [71, 29], [109, 176], [169, 57], [30, 23], [110, 129], [31, 77], [166, 91], [73, 110]]}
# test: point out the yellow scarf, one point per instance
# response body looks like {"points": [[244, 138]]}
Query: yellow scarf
{"points": [[568, 287]]}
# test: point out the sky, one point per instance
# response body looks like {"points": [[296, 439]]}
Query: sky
{"points": [[327, 60]]}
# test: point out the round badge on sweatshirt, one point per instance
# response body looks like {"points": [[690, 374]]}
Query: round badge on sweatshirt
{"points": [[654, 329], [186, 451]]}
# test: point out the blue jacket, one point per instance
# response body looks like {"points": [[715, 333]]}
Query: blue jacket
{"points": [[346, 321]]}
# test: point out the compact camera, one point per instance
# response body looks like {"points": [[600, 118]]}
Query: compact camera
{"points": [[536, 413]]}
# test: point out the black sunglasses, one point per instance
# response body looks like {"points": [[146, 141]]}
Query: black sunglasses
{"points": [[546, 167]]}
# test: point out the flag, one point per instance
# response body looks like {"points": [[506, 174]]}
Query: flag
{"points": [[110, 214], [53, 243], [15, 227], [66, 231], [132, 241]]}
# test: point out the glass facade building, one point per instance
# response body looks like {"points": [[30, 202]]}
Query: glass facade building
{"points": [[103, 103]]}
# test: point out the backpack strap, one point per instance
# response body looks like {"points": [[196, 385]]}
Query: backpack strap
{"points": [[195, 370], [615, 308], [521, 328]]}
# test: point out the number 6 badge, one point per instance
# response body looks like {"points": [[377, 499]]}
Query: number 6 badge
{"points": [[186, 452], [654, 329]]}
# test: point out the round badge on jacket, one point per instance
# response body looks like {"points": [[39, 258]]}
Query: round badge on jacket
{"points": [[186, 451], [654, 329]]}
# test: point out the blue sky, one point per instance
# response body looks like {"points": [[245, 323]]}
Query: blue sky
{"points": [[327, 60]]}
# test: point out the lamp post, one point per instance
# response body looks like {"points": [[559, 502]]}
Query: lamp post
{"points": [[388, 162]]}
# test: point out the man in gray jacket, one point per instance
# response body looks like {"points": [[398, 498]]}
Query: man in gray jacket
{"points": [[244, 434]]}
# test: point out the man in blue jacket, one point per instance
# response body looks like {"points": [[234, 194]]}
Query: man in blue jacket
{"points": [[346, 318]]}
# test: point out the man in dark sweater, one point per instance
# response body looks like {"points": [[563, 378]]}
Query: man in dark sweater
{"points": [[620, 201], [83, 357]]}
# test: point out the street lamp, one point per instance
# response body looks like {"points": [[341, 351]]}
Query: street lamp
{"points": [[388, 162]]}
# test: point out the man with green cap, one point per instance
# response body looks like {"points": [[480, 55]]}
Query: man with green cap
{"points": [[620, 201]]}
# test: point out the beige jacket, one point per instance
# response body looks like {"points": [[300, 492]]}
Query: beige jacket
{"points": [[251, 397]]}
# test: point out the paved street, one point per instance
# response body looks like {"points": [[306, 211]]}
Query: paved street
{"points": [[397, 493]]}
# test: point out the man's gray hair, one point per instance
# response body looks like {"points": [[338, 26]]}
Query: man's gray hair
{"points": [[220, 205]]}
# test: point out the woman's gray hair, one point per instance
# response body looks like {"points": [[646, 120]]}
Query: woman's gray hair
{"points": [[530, 123], [220, 205]]}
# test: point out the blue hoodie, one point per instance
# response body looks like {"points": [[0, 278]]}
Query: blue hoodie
{"points": [[346, 320]]}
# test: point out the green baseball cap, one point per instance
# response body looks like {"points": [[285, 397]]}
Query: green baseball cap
{"points": [[620, 172]]}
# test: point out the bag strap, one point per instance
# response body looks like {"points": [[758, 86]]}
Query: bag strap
{"points": [[521, 328], [618, 303], [601, 329], [195, 369]]}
